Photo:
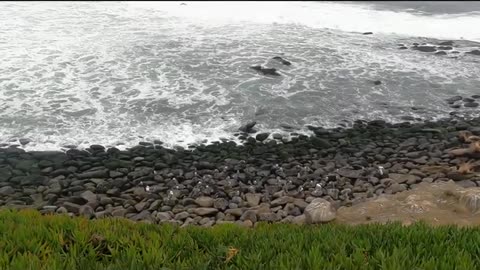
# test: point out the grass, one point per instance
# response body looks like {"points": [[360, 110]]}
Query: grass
{"points": [[29, 240]]}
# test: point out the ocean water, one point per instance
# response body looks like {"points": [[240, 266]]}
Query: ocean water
{"points": [[116, 73]]}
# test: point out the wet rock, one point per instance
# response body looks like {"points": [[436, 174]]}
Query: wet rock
{"points": [[262, 136], [266, 71], [474, 52], [283, 61], [24, 141], [378, 82], [319, 211], [248, 128], [402, 48], [446, 43], [454, 99], [440, 53], [367, 33], [424, 48], [470, 104]]}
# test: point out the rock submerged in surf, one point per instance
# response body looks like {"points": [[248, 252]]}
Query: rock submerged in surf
{"points": [[248, 127], [367, 33], [474, 52], [424, 48], [377, 82], [283, 61], [266, 71], [454, 99]]}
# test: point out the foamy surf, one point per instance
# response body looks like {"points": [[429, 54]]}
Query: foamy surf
{"points": [[116, 74]]}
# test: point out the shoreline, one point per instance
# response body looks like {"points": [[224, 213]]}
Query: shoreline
{"points": [[272, 181]]}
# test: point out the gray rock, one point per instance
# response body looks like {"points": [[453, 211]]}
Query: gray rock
{"points": [[6, 191], [182, 215], [86, 211], [319, 211], [72, 207], [204, 201], [163, 216], [237, 212], [402, 178], [249, 215], [354, 174], [281, 201], [220, 203], [93, 174], [119, 212], [62, 210], [89, 196], [144, 215], [466, 183], [205, 211], [253, 199], [269, 217], [396, 188], [140, 206]]}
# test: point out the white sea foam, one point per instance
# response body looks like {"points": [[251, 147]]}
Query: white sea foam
{"points": [[334, 15], [81, 73]]}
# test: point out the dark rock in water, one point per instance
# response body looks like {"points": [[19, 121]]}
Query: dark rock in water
{"points": [[470, 104], [266, 71], [262, 136], [283, 61], [402, 48], [474, 52], [468, 100], [457, 106], [377, 82], [367, 33], [425, 48], [96, 147], [446, 48], [248, 127], [446, 43], [24, 141], [441, 53], [415, 44], [407, 118], [476, 96], [453, 99]]}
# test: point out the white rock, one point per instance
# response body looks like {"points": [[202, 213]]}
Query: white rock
{"points": [[319, 211]]}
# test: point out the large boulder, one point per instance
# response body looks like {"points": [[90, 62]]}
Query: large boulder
{"points": [[319, 211]]}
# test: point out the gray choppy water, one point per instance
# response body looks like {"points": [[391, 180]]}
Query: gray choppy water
{"points": [[100, 72]]}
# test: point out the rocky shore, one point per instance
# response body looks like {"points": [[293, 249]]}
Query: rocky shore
{"points": [[302, 180]]}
